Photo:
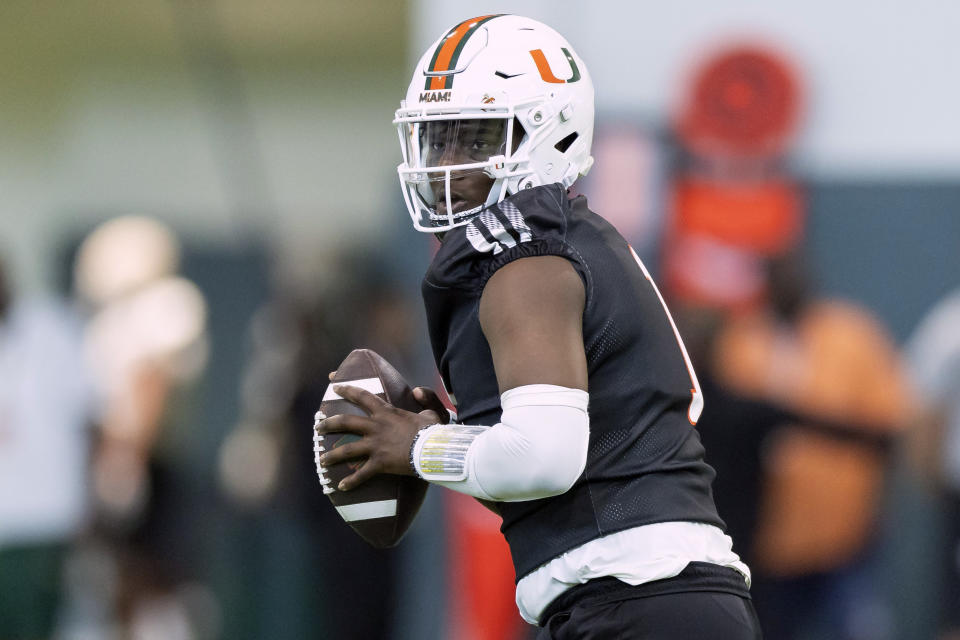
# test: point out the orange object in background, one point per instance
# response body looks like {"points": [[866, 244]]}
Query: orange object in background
{"points": [[481, 600], [719, 233], [765, 216], [743, 101], [732, 205]]}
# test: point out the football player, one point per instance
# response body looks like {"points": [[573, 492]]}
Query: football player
{"points": [[575, 395]]}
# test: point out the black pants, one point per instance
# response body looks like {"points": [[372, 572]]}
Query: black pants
{"points": [[704, 602]]}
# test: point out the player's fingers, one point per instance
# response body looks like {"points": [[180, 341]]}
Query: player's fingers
{"points": [[344, 453], [330, 375], [361, 397], [345, 422], [429, 400], [434, 417], [426, 396], [358, 477]]}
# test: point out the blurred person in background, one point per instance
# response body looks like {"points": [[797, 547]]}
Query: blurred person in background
{"points": [[145, 336], [807, 398], [933, 358], [836, 399], [47, 409], [807, 393]]}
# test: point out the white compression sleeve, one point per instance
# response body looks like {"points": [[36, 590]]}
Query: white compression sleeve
{"points": [[538, 449]]}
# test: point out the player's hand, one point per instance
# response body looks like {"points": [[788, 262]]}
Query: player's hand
{"points": [[387, 435], [427, 398]]}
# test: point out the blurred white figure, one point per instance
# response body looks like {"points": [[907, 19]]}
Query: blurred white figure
{"points": [[122, 255], [146, 336], [933, 357], [46, 407]]}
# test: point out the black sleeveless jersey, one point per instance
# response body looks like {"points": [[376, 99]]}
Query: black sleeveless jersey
{"points": [[645, 461]]}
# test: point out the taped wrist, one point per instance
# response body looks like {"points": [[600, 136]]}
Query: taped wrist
{"points": [[440, 451], [538, 449]]}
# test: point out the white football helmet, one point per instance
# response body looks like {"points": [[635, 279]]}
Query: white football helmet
{"points": [[471, 90]]}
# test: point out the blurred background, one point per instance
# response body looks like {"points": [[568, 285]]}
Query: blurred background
{"points": [[184, 184]]}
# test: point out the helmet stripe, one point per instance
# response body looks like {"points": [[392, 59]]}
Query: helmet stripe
{"points": [[448, 51]]}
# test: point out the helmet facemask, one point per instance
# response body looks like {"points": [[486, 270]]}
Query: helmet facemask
{"points": [[455, 166]]}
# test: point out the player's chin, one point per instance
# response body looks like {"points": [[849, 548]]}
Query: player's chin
{"points": [[459, 206]]}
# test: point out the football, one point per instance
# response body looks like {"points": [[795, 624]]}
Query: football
{"points": [[381, 509]]}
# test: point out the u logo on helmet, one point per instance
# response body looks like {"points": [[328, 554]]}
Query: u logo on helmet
{"points": [[547, 73]]}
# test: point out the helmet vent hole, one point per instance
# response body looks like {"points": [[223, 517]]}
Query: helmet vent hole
{"points": [[518, 134], [564, 144]]}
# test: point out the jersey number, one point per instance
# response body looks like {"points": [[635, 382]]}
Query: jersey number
{"points": [[696, 402]]}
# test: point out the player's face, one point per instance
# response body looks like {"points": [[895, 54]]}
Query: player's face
{"points": [[466, 192], [459, 142]]}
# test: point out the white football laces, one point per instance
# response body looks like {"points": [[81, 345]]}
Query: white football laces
{"points": [[318, 448]]}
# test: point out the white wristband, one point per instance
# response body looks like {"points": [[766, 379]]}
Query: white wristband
{"points": [[440, 451]]}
